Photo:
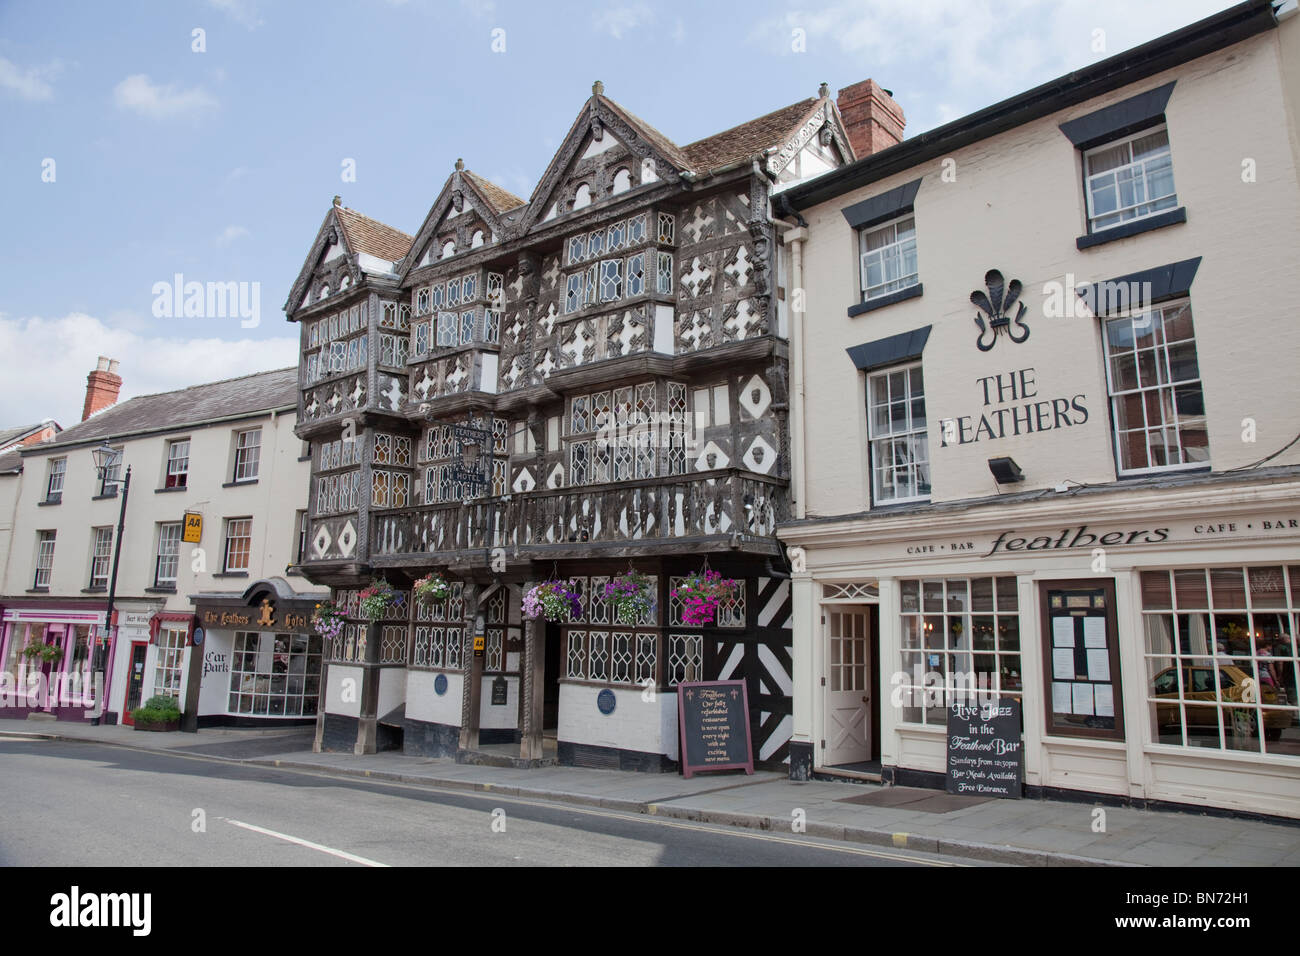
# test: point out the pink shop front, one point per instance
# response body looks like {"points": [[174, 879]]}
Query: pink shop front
{"points": [[54, 679]]}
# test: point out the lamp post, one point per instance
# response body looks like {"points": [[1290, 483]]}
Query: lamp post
{"points": [[105, 455]]}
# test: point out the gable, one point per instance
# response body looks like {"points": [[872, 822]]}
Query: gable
{"points": [[328, 265], [607, 151], [463, 217]]}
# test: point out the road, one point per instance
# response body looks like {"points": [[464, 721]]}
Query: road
{"points": [[85, 804]]}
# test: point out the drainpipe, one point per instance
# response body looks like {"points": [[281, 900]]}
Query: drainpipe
{"points": [[794, 239]]}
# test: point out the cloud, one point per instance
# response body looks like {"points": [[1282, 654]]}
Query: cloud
{"points": [[243, 12], [28, 84], [619, 20], [141, 95], [231, 233], [975, 51], [69, 347]]}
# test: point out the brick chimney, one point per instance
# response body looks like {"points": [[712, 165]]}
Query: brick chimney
{"points": [[102, 386], [873, 120]]}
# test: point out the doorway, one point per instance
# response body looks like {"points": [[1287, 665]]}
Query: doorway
{"points": [[852, 707], [551, 681], [135, 680]]}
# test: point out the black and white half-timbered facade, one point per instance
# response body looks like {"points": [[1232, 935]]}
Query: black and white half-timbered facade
{"points": [[564, 387]]}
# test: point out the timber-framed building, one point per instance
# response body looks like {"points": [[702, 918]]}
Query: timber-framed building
{"points": [[591, 379]]}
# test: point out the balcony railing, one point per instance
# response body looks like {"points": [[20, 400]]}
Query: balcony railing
{"points": [[720, 502]]}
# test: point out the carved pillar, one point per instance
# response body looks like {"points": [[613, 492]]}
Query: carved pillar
{"points": [[534, 685], [368, 720], [472, 690]]}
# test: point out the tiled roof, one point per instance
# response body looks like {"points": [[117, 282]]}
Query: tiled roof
{"points": [[8, 435], [666, 146], [373, 237], [500, 199], [195, 405], [748, 139]]}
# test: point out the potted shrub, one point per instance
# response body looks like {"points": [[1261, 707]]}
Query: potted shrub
{"points": [[375, 600], [632, 595], [432, 587], [327, 620], [159, 714], [701, 594], [552, 600]]}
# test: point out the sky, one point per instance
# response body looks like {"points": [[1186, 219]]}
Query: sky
{"points": [[207, 138]]}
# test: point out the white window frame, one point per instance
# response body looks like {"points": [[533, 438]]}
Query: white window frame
{"points": [[101, 554], [1166, 202], [167, 553], [1165, 384], [177, 464], [168, 664], [112, 474], [894, 251], [44, 558], [911, 433], [248, 455], [232, 524], [58, 469]]}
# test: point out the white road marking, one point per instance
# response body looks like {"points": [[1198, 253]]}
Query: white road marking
{"points": [[307, 843]]}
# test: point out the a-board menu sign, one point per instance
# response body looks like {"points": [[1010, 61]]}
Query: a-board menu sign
{"points": [[713, 718], [985, 754]]}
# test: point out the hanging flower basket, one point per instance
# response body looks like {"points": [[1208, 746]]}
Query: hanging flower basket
{"points": [[47, 653], [632, 595], [327, 620], [552, 600], [375, 600], [701, 594], [431, 587]]}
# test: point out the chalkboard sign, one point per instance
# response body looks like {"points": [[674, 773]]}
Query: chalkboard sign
{"points": [[714, 721], [985, 754]]}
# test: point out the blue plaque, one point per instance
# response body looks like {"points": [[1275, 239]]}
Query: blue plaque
{"points": [[440, 684], [198, 637], [605, 701]]}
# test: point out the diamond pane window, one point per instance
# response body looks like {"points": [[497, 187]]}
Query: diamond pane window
{"points": [[577, 249], [573, 298], [667, 227], [447, 332], [664, 276], [636, 274], [617, 236], [453, 292], [466, 327], [492, 326], [436, 296], [596, 243], [469, 287], [636, 228], [611, 280]]}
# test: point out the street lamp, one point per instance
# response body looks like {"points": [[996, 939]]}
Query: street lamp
{"points": [[105, 457]]}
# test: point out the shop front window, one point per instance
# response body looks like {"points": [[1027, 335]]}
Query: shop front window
{"points": [[960, 638], [167, 668], [275, 675], [1222, 662]]}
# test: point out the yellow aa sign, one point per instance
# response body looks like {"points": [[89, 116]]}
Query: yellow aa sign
{"points": [[193, 528]]}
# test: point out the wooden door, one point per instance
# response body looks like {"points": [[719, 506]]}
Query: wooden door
{"points": [[848, 688]]}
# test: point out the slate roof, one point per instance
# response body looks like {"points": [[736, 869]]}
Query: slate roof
{"points": [[8, 435], [11, 462], [748, 139], [372, 236], [499, 199], [195, 405]]}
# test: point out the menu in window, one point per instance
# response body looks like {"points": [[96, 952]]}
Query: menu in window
{"points": [[1082, 689]]}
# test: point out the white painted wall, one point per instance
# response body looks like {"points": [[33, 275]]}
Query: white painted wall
{"points": [[635, 724], [423, 703], [332, 690]]}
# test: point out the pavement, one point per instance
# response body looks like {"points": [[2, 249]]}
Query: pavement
{"points": [[1030, 832]]}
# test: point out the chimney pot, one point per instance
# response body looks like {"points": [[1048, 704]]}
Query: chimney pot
{"points": [[872, 118], [102, 387]]}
